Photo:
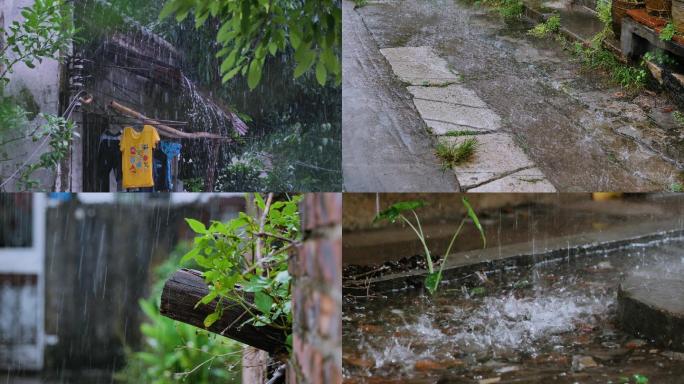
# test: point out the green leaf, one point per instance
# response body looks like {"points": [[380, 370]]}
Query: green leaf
{"points": [[211, 319], [263, 302], [321, 73], [208, 298], [189, 256], [282, 277], [196, 226], [640, 379], [254, 76], [432, 281], [305, 59], [395, 210], [473, 216]]}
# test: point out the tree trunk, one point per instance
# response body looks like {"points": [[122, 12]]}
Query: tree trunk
{"points": [[179, 301]]}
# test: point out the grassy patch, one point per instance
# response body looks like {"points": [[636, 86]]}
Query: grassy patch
{"points": [[360, 3], [541, 30], [597, 58], [461, 133], [677, 187], [506, 8], [678, 118], [452, 154]]}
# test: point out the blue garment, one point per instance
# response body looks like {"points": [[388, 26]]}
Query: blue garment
{"points": [[171, 150]]}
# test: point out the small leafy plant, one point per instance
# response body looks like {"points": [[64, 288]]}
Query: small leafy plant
{"points": [[541, 30], [246, 263], [396, 212], [452, 154], [668, 32], [678, 118]]}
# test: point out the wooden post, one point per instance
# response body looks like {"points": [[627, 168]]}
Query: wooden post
{"points": [[179, 301], [163, 129]]}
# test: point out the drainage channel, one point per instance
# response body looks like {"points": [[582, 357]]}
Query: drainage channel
{"points": [[536, 317]]}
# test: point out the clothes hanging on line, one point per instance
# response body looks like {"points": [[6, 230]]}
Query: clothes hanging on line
{"points": [[108, 160], [137, 156], [164, 154]]}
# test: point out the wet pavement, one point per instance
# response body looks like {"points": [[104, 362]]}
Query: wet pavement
{"points": [[385, 143], [581, 133], [548, 322]]}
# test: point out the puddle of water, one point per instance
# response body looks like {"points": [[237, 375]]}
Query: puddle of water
{"points": [[552, 321]]}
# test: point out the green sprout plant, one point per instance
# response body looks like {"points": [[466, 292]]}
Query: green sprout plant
{"points": [[246, 263], [397, 212], [541, 30]]}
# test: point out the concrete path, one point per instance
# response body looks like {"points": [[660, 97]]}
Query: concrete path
{"points": [[453, 113], [579, 131], [386, 146]]}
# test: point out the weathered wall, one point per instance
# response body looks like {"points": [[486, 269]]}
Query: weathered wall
{"points": [[98, 264], [360, 208], [317, 293], [37, 90]]}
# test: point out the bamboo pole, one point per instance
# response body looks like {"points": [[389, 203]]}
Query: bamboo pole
{"points": [[164, 130]]}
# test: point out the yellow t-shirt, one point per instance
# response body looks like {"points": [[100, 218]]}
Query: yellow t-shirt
{"points": [[136, 148]]}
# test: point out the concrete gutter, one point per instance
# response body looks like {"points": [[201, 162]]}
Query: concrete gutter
{"points": [[462, 265]]}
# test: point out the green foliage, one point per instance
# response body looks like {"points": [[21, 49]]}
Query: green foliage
{"points": [[392, 213], [194, 185], [297, 157], [668, 32], [603, 8], [253, 29], [452, 154], [397, 210], [46, 30], [678, 118], [360, 3], [225, 249], [12, 116], [174, 352], [58, 132], [596, 57], [677, 187], [242, 174], [659, 57], [507, 8], [541, 30]]}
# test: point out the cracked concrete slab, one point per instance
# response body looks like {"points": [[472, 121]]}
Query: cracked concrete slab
{"points": [[496, 156], [530, 180], [454, 94], [475, 118], [419, 66]]}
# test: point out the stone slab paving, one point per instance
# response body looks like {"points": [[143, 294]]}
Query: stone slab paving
{"points": [[419, 66], [527, 180], [447, 107]]}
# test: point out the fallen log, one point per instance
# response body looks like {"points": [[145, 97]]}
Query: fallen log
{"points": [[163, 129], [179, 301]]}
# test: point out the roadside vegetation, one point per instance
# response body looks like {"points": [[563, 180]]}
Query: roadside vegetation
{"points": [[453, 154], [399, 210]]}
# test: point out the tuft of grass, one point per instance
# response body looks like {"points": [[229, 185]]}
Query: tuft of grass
{"points": [[461, 133], [677, 187], [360, 3], [541, 30], [453, 154]]}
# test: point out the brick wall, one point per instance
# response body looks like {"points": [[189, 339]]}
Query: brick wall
{"points": [[317, 293]]}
